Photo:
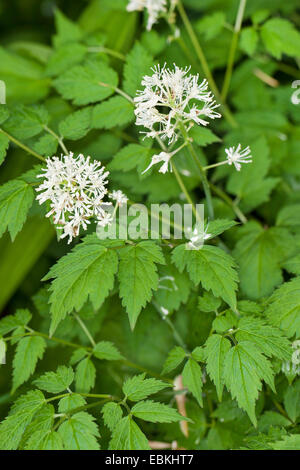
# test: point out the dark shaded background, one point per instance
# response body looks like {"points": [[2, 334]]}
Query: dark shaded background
{"points": [[32, 20]]}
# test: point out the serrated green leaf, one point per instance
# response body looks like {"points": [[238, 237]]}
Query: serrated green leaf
{"points": [[112, 414], [55, 382], [128, 436], [198, 354], [85, 376], [284, 308], [292, 265], [249, 40], [288, 443], [218, 226], [211, 25], [76, 125], [245, 368], [39, 427], [79, 432], [83, 84], [69, 403], [174, 359], [26, 121], [138, 276], [138, 64], [271, 418], [29, 351], [138, 388], [192, 379], [46, 145], [216, 348], [22, 412], [208, 303], [259, 253], [156, 412], [64, 57], [88, 271], [52, 441], [203, 136], [223, 323], [67, 30], [116, 111], [212, 267], [11, 322], [292, 401], [280, 37], [268, 339], [107, 350], [77, 355], [130, 157], [288, 217], [16, 198]]}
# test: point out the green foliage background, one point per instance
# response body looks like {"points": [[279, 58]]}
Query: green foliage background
{"points": [[237, 308]]}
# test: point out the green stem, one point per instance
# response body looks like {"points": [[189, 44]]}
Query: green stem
{"points": [[88, 349], [176, 334], [105, 50], [125, 95], [201, 173], [203, 62], [23, 146], [68, 414], [230, 203], [56, 340], [85, 329], [232, 50], [281, 410], [183, 189], [58, 138], [214, 165], [143, 369], [197, 47], [178, 177], [204, 183]]}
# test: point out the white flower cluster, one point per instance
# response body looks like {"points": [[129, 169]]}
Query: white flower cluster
{"points": [[119, 197], [170, 99], [236, 156], [75, 188], [154, 8]]}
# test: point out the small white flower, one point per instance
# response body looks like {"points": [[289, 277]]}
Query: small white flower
{"points": [[172, 98], [136, 5], [164, 311], [236, 156], [197, 236], [105, 220], [119, 197], [162, 157], [154, 8], [75, 188]]}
